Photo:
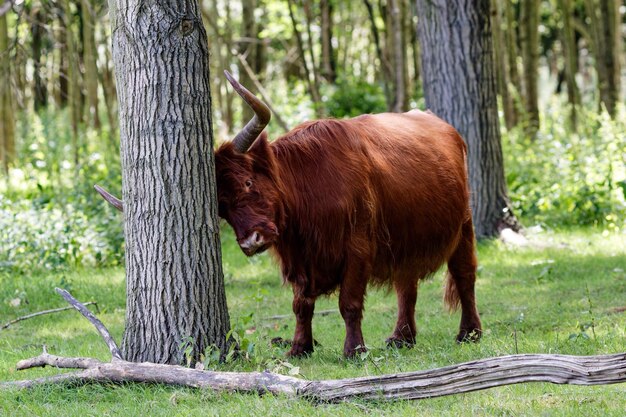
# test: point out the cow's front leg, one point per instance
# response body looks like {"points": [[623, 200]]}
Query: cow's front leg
{"points": [[302, 343], [351, 297]]}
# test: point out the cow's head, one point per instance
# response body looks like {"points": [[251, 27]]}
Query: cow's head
{"points": [[247, 187]]}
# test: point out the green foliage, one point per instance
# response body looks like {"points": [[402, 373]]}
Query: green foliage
{"points": [[353, 97], [50, 216], [565, 178]]}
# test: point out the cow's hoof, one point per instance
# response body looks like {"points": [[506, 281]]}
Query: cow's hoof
{"points": [[350, 353], [299, 350], [471, 335], [397, 342]]}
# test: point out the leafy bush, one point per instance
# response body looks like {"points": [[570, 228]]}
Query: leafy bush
{"points": [[565, 178], [352, 98], [50, 216]]}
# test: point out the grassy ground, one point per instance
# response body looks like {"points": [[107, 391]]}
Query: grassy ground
{"points": [[565, 298]]}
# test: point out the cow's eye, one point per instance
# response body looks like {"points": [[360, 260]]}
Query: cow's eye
{"points": [[248, 183]]}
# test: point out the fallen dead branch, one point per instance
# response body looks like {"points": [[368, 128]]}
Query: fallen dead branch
{"points": [[454, 379], [41, 313]]}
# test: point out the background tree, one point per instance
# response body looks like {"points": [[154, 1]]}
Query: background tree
{"points": [[460, 87], [175, 289], [529, 45], [7, 115]]}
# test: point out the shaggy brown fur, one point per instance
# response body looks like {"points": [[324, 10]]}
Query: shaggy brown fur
{"points": [[377, 198]]}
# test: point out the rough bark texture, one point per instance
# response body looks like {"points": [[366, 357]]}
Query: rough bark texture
{"points": [[529, 41], [460, 87], [38, 32], [175, 287]]}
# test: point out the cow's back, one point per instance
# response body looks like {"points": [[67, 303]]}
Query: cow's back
{"points": [[392, 186]]}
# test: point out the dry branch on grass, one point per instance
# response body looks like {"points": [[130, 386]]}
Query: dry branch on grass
{"points": [[44, 312], [454, 379]]}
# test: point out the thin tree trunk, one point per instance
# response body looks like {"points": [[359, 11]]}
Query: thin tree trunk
{"points": [[510, 36], [329, 66], [502, 69], [314, 67], [396, 29], [38, 32], [175, 289], [570, 53], [529, 41], [108, 88], [312, 86], [385, 66], [7, 112], [89, 59], [247, 48], [606, 43], [460, 87], [74, 98]]}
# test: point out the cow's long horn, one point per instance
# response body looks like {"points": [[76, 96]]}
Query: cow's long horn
{"points": [[255, 126], [112, 200]]}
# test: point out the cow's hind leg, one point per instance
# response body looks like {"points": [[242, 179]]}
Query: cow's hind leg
{"points": [[460, 285], [351, 299], [405, 331]]}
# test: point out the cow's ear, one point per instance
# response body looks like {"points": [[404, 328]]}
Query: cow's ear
{"points": [[262, 155]]}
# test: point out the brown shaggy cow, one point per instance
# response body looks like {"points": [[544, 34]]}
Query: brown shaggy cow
{"points": [[378, 198]]}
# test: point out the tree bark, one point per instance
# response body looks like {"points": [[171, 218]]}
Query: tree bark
{"points": [[460, 87], [529, 41], [7, 112], [90, 53], [175, 290]]}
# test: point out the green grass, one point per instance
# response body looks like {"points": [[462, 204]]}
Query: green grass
{"points": [[532, 300]]}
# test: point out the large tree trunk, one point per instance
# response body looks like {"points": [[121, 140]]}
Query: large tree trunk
{"points": [[175, 290], [7, 112], [460, 87], [529, 41], [90, 53]]}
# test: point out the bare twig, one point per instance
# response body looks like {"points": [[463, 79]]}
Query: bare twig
{"points": [[104, 332], [45, 359], [111, 199], [41, 313]]}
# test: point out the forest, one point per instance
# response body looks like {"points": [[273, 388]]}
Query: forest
{"points": [[552, 71]]}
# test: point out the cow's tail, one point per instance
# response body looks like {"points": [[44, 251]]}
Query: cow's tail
{"points": [[451, 296]]}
